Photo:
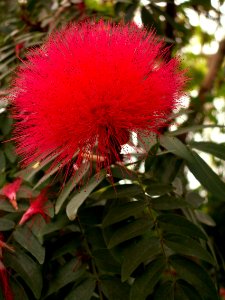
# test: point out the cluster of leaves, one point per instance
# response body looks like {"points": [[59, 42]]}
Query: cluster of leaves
{"points": [[145, 237]]}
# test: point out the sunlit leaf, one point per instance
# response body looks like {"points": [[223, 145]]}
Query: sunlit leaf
{"points": [[77, 200], [70, 185]]}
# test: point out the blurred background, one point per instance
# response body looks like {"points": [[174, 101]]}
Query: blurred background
{"points": [[193, 29]]}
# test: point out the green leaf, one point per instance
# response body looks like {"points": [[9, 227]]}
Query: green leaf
{"points": [[27, 269], [6, 224], [203, 173], [204, 218], [28, 241], [194, 199], [168, 203], [215, 149], [151, 158], [114, 289], [137, 253], [129, 231], [29, 172], [68, 273], [187, 246], [9, 150], [6, 127], [145, 283], [172, 223], [2, 161], [189, 292], [123, 173], [46, 177], [6, 206], [78, 199], [91, 215], [36, 225], [18, 290], [64, 247], [192, 129], [195, 275], [83, 291], [56, 224], [123, 211], [158, 189], [105, 261], [175, 146], [117, 191], [165, 291], [70, 185], [177, 290]]}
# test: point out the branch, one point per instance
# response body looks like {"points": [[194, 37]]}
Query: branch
{"points": [[169, 30], [214, 68], [197, 118]]}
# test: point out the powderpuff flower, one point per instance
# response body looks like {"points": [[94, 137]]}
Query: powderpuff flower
{"points": [[88, 87], [37, 206], [4, 280], [10, 190]]}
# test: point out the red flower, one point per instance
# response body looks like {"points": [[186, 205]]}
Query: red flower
{"points": [[4, 279], [37, 206], [10, 190], [88, 87]]}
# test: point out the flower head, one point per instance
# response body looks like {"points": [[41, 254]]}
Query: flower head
{"points": [[37, 206], [88, 87], [10, 190]]}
